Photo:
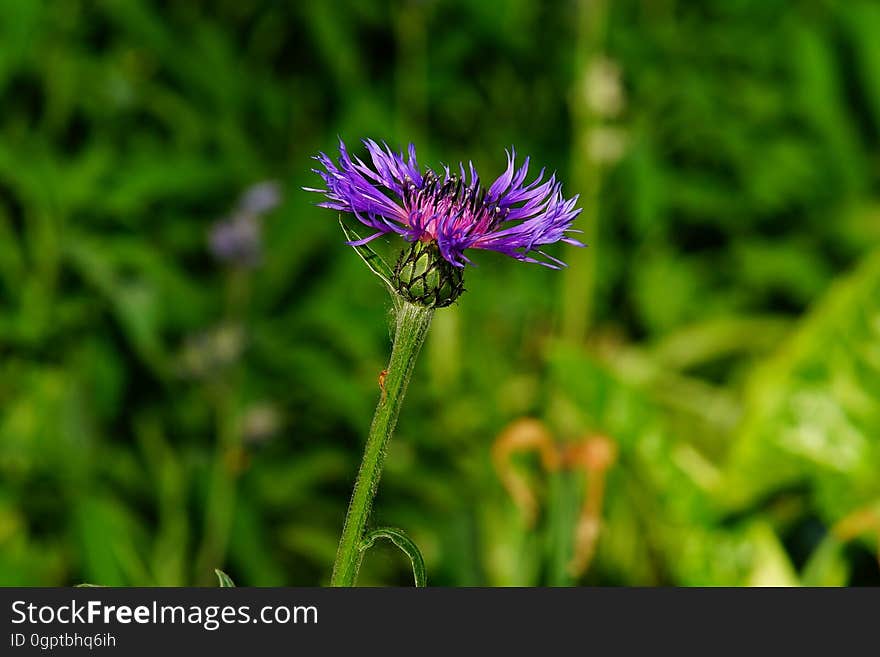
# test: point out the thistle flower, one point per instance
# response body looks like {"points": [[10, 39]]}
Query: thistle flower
{"points": [[452, 209], [441, 215], [238, 240], [447, 213], [260, 198]]}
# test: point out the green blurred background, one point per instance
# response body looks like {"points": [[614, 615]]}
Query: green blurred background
{"points": [[703, 380]]}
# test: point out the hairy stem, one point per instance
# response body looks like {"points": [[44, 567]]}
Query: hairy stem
{"points": [[411, 328]]}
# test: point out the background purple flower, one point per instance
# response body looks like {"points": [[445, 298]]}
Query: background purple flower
{"points": [[238, 239], [452, 208]]}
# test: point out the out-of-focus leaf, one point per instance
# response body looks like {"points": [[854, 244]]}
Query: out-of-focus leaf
{"points": [[811, 411], [826, 566], [108, 542], [770, 563]]}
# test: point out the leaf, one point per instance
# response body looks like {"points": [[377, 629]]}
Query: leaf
{"points": [[225, 580], [811, 414], [401, 540], [770, 564], [372, 259], [827, 566], [109, 538]]}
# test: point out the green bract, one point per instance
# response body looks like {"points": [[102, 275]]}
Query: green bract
{"points": [[423, 277]]}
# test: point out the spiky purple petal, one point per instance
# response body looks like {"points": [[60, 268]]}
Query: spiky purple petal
{"points": [[393, 195]]}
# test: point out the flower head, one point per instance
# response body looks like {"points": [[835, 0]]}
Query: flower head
{"points": [[451, 209], [238, 239]]}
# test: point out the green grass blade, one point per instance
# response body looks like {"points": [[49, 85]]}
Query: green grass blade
{"points": [[225, 580]]}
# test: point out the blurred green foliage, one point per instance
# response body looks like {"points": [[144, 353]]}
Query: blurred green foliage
{"points": [[164, 413]]}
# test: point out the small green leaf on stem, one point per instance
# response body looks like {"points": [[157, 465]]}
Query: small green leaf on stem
{"points": [[406, 544], [225, 580], [372, 259]]}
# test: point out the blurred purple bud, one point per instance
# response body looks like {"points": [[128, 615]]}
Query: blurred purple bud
{"points": [[260, 198], [237, 240]]}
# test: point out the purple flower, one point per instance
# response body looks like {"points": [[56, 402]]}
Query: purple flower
{"points": [[260, 198], [452, 209], [238, 240]]}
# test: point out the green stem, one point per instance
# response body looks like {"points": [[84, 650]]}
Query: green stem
{"points": [[412, 327], [580, 278], [563, 504]]}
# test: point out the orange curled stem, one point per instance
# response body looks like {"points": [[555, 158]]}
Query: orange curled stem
{"points": [[523, 436], [859, 522], [595, 455]]}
